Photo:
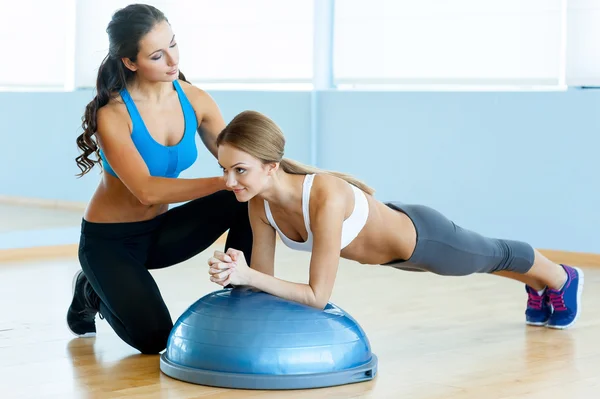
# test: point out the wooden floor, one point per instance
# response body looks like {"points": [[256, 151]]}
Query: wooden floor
{"points": [[435, 337]]}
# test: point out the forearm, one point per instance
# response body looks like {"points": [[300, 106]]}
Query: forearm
{"points": [[261, 268], [301, 293], [161, 190]]}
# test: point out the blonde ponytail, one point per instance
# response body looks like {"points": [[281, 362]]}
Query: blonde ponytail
{"points": [[296, 168], [259, 136]]}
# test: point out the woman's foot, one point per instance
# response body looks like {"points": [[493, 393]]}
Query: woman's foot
{"points": [[538, 308], [565, 302], [81, 316]]}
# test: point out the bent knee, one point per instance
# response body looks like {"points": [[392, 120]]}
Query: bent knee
{"points": [[151, 342]]}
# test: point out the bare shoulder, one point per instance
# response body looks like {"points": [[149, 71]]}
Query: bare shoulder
{"points": [[195, 95], [329, 192], [204, 105], [257, 209], [329, 187], [189, 89], [113, 115]]}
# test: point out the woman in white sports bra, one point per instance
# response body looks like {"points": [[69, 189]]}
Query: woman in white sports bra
{"points": [[333, 215]]}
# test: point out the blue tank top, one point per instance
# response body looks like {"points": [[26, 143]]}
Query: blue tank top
{"points": [[162, 161]]}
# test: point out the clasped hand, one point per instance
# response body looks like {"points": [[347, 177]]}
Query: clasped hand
{"points": [[229, 268]]}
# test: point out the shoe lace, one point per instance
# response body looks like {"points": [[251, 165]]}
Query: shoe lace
{"points": [[92, 303], [557, 300], [534, 301]]}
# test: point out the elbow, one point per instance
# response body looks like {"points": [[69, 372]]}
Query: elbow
{"points": [[147, 192], [146, 197], [146, 201], [318, 301], [319, 304]]}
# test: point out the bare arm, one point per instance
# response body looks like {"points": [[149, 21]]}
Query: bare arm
{"points": [[326, 224], [263, 239], [128, 164], [210, 120]]}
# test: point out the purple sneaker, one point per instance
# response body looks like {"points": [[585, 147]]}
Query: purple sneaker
{"points": [[538, 310], [566, 302]]}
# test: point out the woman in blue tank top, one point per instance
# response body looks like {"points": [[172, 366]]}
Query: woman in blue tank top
{"points": [[141, 125], [333, 215]]}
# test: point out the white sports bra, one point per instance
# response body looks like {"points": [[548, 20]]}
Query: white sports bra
{"points": [[350, 228]]}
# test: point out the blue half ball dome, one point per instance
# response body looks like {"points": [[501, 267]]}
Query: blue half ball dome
{"points": [[244, 338]]}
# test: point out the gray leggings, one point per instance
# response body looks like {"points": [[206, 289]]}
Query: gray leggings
{"points": [[447, 249]]}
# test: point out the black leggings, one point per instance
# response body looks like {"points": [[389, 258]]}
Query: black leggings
{"points": [[116, 257]]}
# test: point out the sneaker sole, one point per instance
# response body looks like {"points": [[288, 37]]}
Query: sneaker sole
{"points": [[86, 335], [537, 324], [579, 291]]}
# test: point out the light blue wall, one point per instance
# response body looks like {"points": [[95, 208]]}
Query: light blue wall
{"points": [[509, 164], [519, 165]]}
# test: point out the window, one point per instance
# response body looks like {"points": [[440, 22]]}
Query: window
{"points": [[449, 42], [583, 45], [35, 38], [221, 41], [421, 44], [92, 40]]}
